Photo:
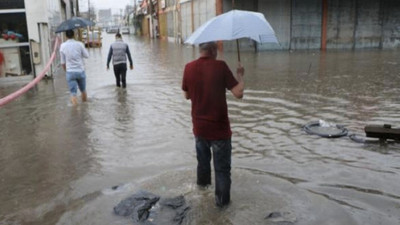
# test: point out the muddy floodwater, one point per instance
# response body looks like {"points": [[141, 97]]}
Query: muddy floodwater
{"points": [[58, 163]]}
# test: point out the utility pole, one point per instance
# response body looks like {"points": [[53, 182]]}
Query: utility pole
{"points": [[134, 17], [77, 12], [151, 19], [219, 11], [134, 8], [88, 9]]}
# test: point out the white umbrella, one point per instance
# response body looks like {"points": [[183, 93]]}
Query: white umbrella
{"points": [[232, 25]]}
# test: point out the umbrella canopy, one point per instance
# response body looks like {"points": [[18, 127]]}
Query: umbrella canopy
{"points": [[232, 25], [74, 23]]}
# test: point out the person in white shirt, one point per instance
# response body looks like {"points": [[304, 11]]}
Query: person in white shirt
{"points": [[72, 53]]}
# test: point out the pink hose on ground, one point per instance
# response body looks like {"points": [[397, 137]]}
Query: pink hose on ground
{"points": [[23, 90]]}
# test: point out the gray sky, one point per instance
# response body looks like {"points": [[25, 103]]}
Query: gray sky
{"points": [[105, 4]]}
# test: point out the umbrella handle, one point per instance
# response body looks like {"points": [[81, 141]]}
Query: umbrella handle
{"points": [[238, 49]]}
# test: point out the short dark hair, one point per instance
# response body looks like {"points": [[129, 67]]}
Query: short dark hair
{"points": [[208, 46], [69, 33], [118, 35]]}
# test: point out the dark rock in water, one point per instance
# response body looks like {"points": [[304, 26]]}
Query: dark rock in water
{"points": [[173, 202], [181, 214], [273, 215], [139, 203], [284, 218], [175, 209], [148, 209], [141, 211]]}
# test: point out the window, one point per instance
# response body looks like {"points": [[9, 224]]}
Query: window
{"points": [[13, 29], [12, 4], [14, 46]]}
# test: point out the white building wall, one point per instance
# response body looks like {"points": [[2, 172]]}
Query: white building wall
{"points": [[203, 10], [186, 19], [35, 13], [43, 17]]}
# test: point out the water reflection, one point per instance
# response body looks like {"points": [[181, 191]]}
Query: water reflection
{"points": [[44, 147], [60, 161]]}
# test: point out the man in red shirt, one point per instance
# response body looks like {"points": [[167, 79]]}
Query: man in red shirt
{"points": [[205, 82]]}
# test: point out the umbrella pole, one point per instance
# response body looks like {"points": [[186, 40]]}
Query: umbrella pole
{"points": [[238, 49], [237, 40]]}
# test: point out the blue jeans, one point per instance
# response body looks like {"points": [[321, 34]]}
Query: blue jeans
{"points": [[75, 80], [221, 154]]}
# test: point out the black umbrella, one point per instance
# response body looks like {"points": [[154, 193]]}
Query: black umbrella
{"points": [[74, 23]]}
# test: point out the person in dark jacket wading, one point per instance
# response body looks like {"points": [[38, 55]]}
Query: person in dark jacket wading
{"points": [[118, 52]]}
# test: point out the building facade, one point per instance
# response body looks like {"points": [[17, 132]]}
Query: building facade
{"points": [[14, 40], [169, 20], [298, 24], [147, 13], [104, 18], [27, 33]]}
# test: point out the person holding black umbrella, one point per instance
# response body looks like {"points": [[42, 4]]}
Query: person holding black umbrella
{"points": [[72, 53]]}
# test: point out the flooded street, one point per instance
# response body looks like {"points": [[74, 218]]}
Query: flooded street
{"points": [[58, 163]]}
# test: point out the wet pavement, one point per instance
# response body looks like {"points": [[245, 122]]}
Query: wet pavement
{"points": [[58, 163]]}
